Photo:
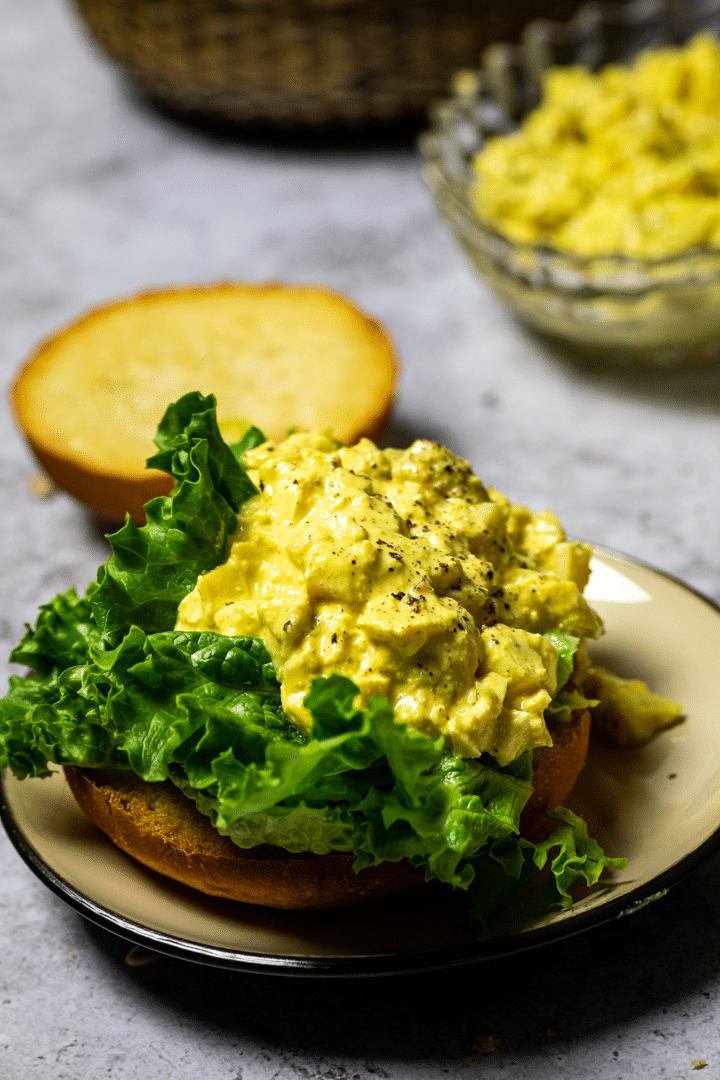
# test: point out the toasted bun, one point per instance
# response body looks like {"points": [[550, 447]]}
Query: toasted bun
{"points": [[90, 399], [555, 770], [159, 826]]}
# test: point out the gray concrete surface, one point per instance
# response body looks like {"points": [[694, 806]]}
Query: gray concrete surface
{"points": [[100, 195]]}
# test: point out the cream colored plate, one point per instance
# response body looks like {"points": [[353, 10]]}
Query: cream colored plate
{"points": [[658, 806]]}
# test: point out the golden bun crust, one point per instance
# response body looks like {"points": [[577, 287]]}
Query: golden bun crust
{"points": [[90, 398], [555, 770], [160, 827]]}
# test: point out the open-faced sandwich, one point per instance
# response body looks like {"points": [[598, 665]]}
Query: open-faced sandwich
{"points": [[321, 674]]}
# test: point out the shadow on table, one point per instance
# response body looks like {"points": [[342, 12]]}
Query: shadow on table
{"points": [[690, 385], [652, 961], [371, 137]]}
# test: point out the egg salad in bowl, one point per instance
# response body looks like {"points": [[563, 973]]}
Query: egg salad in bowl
{"points": [[579, 172]]}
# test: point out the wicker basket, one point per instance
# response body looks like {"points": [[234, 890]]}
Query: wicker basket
{"points": [[303, 62]]}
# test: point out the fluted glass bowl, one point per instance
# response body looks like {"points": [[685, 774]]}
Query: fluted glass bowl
{"points": [[622, 308]]}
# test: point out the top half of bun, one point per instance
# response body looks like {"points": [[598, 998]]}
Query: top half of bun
{"points": [[90, 398], [159, 826]]}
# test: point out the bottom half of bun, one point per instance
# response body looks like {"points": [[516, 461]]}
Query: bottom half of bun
{"points": [[161, 828]]}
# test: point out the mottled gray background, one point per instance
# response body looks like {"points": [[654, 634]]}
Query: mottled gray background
{"points": [[100, 195]]}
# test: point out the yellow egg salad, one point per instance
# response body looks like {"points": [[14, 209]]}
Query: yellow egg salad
{"points": [[400, 570], [626, 160]]}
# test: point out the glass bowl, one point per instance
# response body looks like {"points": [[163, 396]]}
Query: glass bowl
{"points": [[623, 308]]}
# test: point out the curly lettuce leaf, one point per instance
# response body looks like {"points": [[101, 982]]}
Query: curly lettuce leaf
{"points": [[569, 856], [565, 645], [132, 707], [204, 710], [62, 636], [566, 699], [46, 721], [186, 533], [251, 438], [573, 855]]}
